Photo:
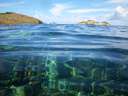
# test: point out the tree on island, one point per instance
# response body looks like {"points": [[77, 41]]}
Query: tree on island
{"points": [[7, 13]]}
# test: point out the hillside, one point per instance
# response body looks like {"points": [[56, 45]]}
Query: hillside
{"points": [[10, 18]]}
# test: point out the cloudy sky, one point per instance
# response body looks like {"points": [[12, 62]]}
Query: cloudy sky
{"points": [[70, 11]]}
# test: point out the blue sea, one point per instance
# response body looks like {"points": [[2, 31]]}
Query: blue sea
{"points": [[63, 60]]}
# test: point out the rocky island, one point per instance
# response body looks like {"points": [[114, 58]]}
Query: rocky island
{"points": [[10, 18], [91, 22]]}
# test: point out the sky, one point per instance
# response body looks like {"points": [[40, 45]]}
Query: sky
{"points": [[70, 11]]}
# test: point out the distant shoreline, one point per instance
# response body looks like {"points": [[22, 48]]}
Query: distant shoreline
{"points": [[10, 18], [91, 22]]}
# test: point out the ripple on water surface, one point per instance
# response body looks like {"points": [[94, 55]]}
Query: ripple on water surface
{"points": [[63, 60]]}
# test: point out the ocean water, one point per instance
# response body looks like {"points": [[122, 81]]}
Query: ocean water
{"points": [[63, 60]]}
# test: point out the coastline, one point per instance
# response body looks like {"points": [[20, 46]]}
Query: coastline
{"points": [[14, 18]]}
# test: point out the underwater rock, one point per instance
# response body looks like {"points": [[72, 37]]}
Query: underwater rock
{"points": [[91, 22], [4, 83], [123, 75], [24, 90], [5, 76], [64, 71], [2, 68], [6, 92], [35, 68], [2, 92], [18, 68]]}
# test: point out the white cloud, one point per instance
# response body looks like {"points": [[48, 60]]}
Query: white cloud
{"points": [[76, 19], [119, 16], [117, 1], [10, 4], [87, 10], [119, 13], [42, 17], [58, 8]]}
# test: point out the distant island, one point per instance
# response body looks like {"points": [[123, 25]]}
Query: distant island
{"points": [[10, 18], [91, 22]]}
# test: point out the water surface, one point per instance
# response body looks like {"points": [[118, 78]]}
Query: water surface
{"points": [[63, 60]]}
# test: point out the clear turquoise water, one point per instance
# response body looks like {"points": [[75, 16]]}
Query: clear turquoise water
{"points": [[63, 60]]}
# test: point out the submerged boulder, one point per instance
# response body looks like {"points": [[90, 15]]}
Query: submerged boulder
{"points": [[91, 22]]}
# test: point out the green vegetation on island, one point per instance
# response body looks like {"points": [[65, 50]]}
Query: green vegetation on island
{"points": [[7, 13]]}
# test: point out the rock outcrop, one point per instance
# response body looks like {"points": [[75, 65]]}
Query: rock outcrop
{"points": [[10, 18], [91, 22]]}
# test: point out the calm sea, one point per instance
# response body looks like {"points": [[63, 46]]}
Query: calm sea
{"points": [[63, 60]]}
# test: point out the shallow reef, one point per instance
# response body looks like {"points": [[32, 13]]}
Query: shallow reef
{"points": [[51, 76]]}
